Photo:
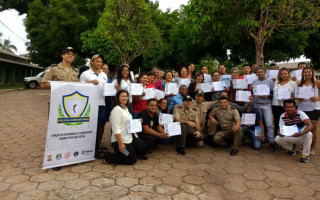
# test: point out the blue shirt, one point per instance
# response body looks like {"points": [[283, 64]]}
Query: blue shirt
{"points": [[175, 100]]}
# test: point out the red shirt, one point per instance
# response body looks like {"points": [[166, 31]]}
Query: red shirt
{"points": [[139, 106]]}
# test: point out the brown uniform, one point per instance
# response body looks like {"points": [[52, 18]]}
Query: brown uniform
{"points": [[187, 137], [59, 73], [226, 119], [202, 110]]}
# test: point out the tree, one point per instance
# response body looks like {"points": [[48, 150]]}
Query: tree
{"points": [[8, 46], [20, 5], [127, 24], [259, 19], [312, 50], [53, 24]]}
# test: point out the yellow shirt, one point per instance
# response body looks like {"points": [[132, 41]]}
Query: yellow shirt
{"points": [[59, 73]]}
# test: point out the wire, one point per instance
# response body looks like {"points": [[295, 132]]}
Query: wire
{"points": [[13, 31]]}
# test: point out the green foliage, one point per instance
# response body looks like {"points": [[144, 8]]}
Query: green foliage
{"points": [[52, 25], [127, 24], [6, 45], [312, 50], [20, 5]]}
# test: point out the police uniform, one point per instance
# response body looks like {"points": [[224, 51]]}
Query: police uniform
{"points": [[202, 110], [187, 137], [226, 119], [59, 73]]}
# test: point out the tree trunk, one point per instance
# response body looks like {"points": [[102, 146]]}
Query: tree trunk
{"points": [[259, 44]]}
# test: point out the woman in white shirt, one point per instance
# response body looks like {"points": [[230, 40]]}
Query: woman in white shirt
{"points": [[124, 80], [126, 146], [283, 82], [311, 106]]}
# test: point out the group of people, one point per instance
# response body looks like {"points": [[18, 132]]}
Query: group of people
{"points": [[205, 117]]}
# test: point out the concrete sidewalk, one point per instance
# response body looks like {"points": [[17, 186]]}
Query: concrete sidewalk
{"points": [[206, 173]]}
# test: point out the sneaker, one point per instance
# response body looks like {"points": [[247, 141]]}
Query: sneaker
{"points": [[272, 147], [292, 153], [233, 152], [180, 150], [304, 159]]}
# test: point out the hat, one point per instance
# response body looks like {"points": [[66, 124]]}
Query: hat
{"points": [[199, 92], [187, 98], [65, 50], [97, 56]]}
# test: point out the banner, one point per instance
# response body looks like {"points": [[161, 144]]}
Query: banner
{"points": [[72, 124]]}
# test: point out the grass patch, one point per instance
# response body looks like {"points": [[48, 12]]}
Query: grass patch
{"points": [[12, 87]]}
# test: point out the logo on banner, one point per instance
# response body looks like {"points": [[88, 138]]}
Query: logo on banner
{"points": [[58, 156], [75, 154], [67, 155], [74, 110], [49, 158]]}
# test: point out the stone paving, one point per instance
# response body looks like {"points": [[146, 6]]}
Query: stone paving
{"points": [[206, 173]]}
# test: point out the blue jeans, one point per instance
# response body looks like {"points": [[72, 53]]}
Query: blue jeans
{"points": [[266, 112], [255, 142]]}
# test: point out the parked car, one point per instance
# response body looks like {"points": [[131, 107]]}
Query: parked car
{"points": [[33, 82]]}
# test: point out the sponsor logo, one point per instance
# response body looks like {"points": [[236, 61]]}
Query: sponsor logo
{"points": [[67, 155], [74, 109], [75, 154], [58, 156], [49, 158]]}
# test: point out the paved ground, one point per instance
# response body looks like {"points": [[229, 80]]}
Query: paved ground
{"points": [[205, 173]]}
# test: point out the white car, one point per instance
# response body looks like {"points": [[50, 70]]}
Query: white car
{"points": [[33, 82]]}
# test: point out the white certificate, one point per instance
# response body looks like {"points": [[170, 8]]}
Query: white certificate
{"points": [[272, 74], [226, 79], [250, 78], [218, 86], [243, 96], [304, 92], [172, 88], [149, 93], [289, 130], [257, 131], [159, 94], [297, 74], [136, 88], [282, 93], [261, 90], [185, 81], [205, 87], [173, 128], [165, 118], [134, 126], [248, 118], [109, 89], [239, 84], [207, 78]]}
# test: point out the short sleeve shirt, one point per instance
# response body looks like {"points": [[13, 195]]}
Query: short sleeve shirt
{"points": [[299, 118], [202, 109], [59, 73], [225, 117], [149, 120], [189, 115]]}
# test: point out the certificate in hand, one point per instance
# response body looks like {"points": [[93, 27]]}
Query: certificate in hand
{"points": [[207, 78], [289, 130], [218, 86], [172, 88], [257, 131], [173, 128], [226, 80], [243, 96], [250, 78], [297, 74], [134, 126], [165, 118], [272, 74], [185, 81], [304, 92], [149, 93], [109, 89], [283, 93], [159, 94], [261, 90], [248, 118], [136, 88], [205, 87], [239, 84]]}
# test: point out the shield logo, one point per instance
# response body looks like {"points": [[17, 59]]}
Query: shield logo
{"points": [[74, 104]]}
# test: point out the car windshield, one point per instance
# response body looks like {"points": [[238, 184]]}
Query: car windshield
{"points": [[40, 74]]}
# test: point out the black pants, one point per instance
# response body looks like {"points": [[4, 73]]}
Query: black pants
{"points": [[277, 111], [137, 146]]}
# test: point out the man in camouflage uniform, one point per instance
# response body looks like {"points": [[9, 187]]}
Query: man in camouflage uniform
{"points": [[190, 126], [228, 119]]}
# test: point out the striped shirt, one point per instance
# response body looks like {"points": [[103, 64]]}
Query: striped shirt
{"points": [[298, 118]]}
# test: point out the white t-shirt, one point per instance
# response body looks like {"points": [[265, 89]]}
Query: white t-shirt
{"points": [[308, 105], [118, 118], [125, 85], [291, 85], [90, 75]]}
